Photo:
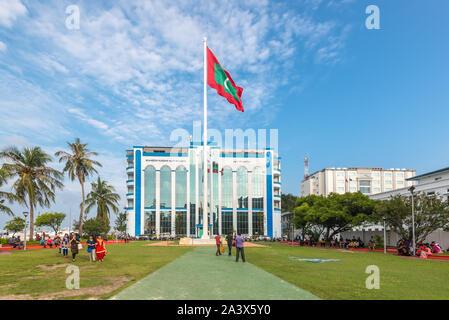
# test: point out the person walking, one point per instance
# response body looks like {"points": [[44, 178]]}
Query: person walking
{"points": [[229, 240], [91, 245], [218, 243], [100, 249], [65, 245], [74, 247], [239, 240]]}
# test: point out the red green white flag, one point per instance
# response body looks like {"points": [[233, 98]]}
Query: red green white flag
{"points": [[220, 80]]}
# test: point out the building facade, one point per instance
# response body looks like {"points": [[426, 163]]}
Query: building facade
{"points": [[165, 191], [366, 180]]}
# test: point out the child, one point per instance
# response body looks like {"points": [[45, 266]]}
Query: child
{"points": [[372, 245]]}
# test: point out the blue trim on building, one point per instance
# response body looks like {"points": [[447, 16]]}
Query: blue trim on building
{"points": [[181, 208], [276, 182], [277, 196], [277, 209], [149, 208], [129, 194], [227, 209], [129, 168], [137, 219], [128, 181], [241, 155], [130, 157], [269, 194], [130, 208]]}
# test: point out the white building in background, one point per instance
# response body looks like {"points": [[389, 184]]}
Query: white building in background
{"points": [[368, 181], [165, 191], [431, 183]]}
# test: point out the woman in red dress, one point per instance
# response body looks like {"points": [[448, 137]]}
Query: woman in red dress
{"points": [[100, 249]]}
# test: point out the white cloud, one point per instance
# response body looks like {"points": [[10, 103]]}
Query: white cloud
{"points": [[10, 10], [3, 46]]}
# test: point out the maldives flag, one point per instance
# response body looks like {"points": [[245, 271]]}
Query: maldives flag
{"points": [[220, 80]]}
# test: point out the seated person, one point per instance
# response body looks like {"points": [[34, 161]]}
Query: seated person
{"points": [[43, 243], [50, 243], [436, 248]]}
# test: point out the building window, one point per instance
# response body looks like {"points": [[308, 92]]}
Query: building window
{"points": [[180, 187], [242, 188], [400, 175], [400, 182], [165, 226], [353, 189], [215, 204], [340, 189], [130, 203], [365, 186], [192, 219], [340, 181], [376, 190], [351, 174], [375, 174], [192, 173], [387, 182], [165, 192], [226, 222], [150, 187], [257, 181], [388, 175], [340, 174], [181, 222], [150, 222], [226, 188], [387, 189], [258, 223], [242, 222]]}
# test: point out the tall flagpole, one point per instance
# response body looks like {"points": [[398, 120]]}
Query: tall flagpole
{"points": [[205, 202]]}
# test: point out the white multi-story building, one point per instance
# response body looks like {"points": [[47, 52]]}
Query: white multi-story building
{"points": [[366, 180], [165, 191]]}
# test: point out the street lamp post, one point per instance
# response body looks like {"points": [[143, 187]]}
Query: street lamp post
{"points": [[25, 235], [385, 236], [412, 189]]}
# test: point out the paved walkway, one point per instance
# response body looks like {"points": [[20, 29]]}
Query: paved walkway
{"points": [[199, 274]]}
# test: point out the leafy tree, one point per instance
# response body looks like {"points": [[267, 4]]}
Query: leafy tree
{"points": [[95, 227], [15, 225], [120, 222], [288, 202], [102, 196], [78, 165], [50, 219], [5, 195], [320, 216], [431, 214], [36, 182]]}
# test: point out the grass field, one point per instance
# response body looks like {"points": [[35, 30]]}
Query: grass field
{"points": [[40, 274], [400, 278]]}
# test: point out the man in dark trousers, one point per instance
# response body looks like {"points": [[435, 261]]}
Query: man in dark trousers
{"points": [[218, 243], [239, 246], [229, 240]]}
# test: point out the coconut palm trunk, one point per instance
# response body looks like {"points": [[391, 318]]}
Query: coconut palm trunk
{"points": [[81, 180], [31, 238]]}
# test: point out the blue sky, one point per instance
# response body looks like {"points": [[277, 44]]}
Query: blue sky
{"points": [[336, 91]]}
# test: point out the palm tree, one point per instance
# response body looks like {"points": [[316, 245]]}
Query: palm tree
{"points": [[36, 183], [5, 195], [79, 165], [104, 197]]}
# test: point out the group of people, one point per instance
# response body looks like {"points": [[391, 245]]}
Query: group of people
{"points": [[236, 242], [95, 247], [16, 242]]}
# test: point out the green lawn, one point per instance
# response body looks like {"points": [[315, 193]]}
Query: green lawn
{"points": [[400, 278], [24, 274]]}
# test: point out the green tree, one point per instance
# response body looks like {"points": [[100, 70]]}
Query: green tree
{"points": [[95, 227], [320, 216], [431, 214], [5, 195], [36, 182], [78, 164], [102, 196], [50, 219], [288, 202], [15, 225], [120, 222]]}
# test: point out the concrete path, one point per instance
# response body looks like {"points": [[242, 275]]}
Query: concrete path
{"points": [[200, 275]]}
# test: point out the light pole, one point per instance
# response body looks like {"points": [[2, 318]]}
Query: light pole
{"points": [[25, 235], [385, 236], [412, 189]]}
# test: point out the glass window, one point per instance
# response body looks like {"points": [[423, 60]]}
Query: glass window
{"points": [[226, 188], [388, 182], [365, 186], [165, 192], [165, 222], [340, 189], [180, 187], [340, 174], [400, 175], [242, 188], [376, 182], [150, 187], [400, 182], [181, 222], [257, 181], [150, 222], [192, 219], [375, 174], [215, 204], [242, 222], [353, 189], [258, 223], [130, 203], [376, 190], [340, 181], [192, 178], [387, 189], [388, 174], [226, 222], [351, 174]]}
